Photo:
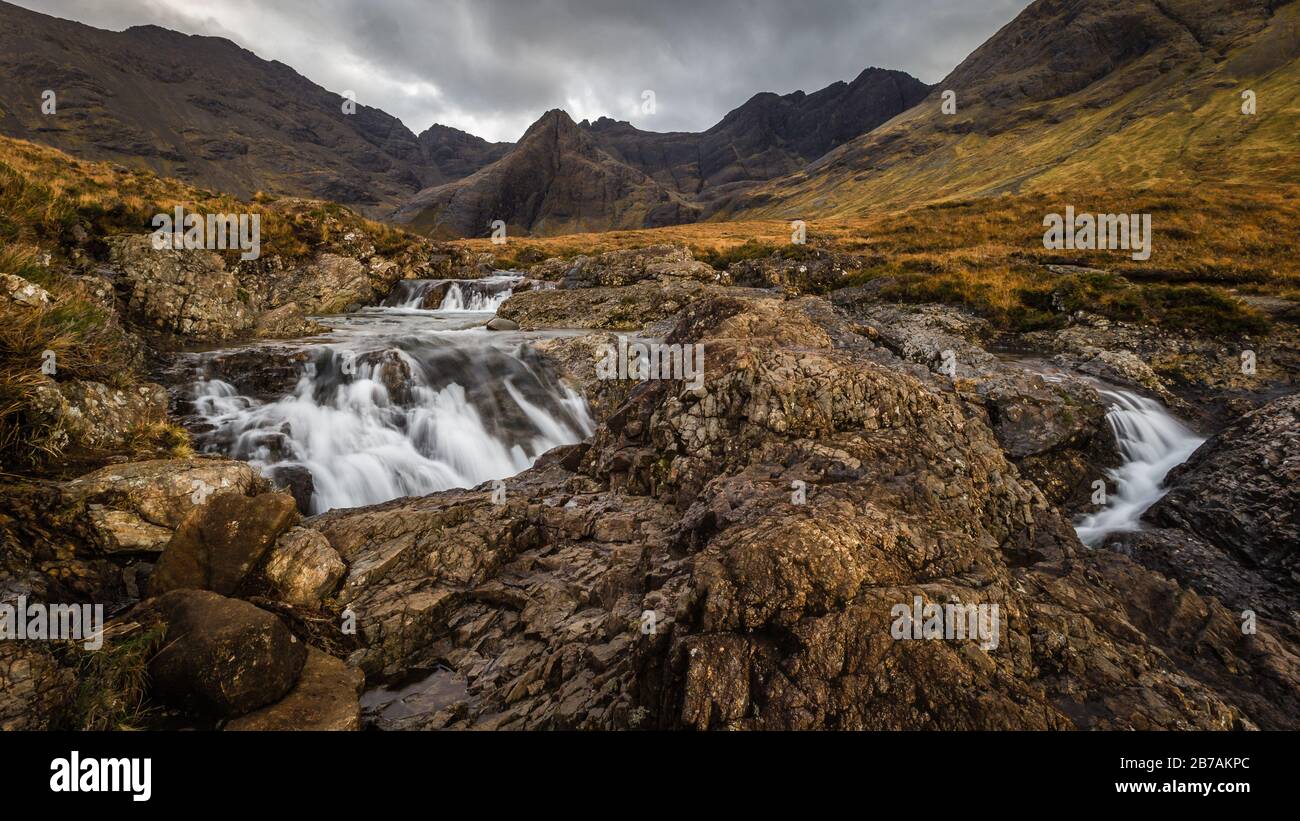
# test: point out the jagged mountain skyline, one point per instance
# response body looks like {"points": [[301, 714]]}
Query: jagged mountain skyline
{"points": [[493, 70]]}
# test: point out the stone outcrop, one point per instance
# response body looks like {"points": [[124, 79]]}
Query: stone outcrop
{"points": [[618, 268], [179, 293], [136, 507], [799, 270], [734, 558], [629, 308]]}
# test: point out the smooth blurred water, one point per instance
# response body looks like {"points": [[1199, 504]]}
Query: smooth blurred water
{"points": [[1152, 443], [399, 401]]}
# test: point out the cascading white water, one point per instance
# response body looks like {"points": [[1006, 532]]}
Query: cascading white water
{"points": [[406, 404], [457, 295], [1152, 443], [457, 300]]}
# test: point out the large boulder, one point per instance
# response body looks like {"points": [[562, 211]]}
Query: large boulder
{"points": [[220, 543], [180, 293], [222, 657], [326, 697], [135, 507]]}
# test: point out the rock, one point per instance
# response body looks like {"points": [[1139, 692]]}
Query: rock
{"points": [[35, 691], [1053, 429], [816, 484], [22, 293], [298, 482], [178, 293], [1031, 416], [627, 308], [219, 544], [135, 507], [265, 372], [326, 285], [326, 697], [575, 358], [1208, 569], [99, 418], [304, 568], [500, 324], [1241, 492], [800, 269], [285, 322], [628, 267], [222, 657]]}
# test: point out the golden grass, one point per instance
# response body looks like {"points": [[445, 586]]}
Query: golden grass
{"points": [[987, 253]]}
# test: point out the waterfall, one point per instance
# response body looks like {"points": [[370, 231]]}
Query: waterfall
{"points": [[1151, 443], [458, 295], [406, 402]]}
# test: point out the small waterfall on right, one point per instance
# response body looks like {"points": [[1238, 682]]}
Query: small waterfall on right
{"points": [[1152, 443]]}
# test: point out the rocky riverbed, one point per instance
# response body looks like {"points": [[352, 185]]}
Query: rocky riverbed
{"points": [[727, 556]]}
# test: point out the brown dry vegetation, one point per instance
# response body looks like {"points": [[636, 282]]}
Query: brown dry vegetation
{"points": [[54, 207], [1211, 244]]}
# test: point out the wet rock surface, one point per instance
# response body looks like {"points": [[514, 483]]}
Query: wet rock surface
{"points": [[733, 558], [1239, 497]]}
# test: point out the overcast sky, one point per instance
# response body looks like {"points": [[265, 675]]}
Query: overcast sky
{"points": [[492, 67]]}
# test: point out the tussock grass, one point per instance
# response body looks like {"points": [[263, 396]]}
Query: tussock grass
{"points": [[113, 681], [1211, 243]]}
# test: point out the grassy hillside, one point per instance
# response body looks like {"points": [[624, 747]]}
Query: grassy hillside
{"points": [[1169, 117], [1211, 245]]}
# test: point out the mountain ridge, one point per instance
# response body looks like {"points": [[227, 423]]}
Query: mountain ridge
{"points": [[153, 97]]}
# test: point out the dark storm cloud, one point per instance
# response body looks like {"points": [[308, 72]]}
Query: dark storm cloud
{"points": [[492, 67]]}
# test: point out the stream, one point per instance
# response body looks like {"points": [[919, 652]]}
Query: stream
{"points": [[1152, 443], [406, 398]]}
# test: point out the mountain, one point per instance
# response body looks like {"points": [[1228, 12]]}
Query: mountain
{"points": [[769, 136], [458, 154], [211, 113], [557, 179], [622, 177], [1073, 94]]}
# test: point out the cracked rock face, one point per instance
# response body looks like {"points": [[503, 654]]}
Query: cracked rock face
{"points": [[735, 557], [1240, 493]]}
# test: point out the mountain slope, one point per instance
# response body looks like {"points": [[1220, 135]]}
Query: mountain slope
{"points": [[457, 154], [1077, 93], [555, 180], [609, 174], [769, 136], [209, 112]]}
